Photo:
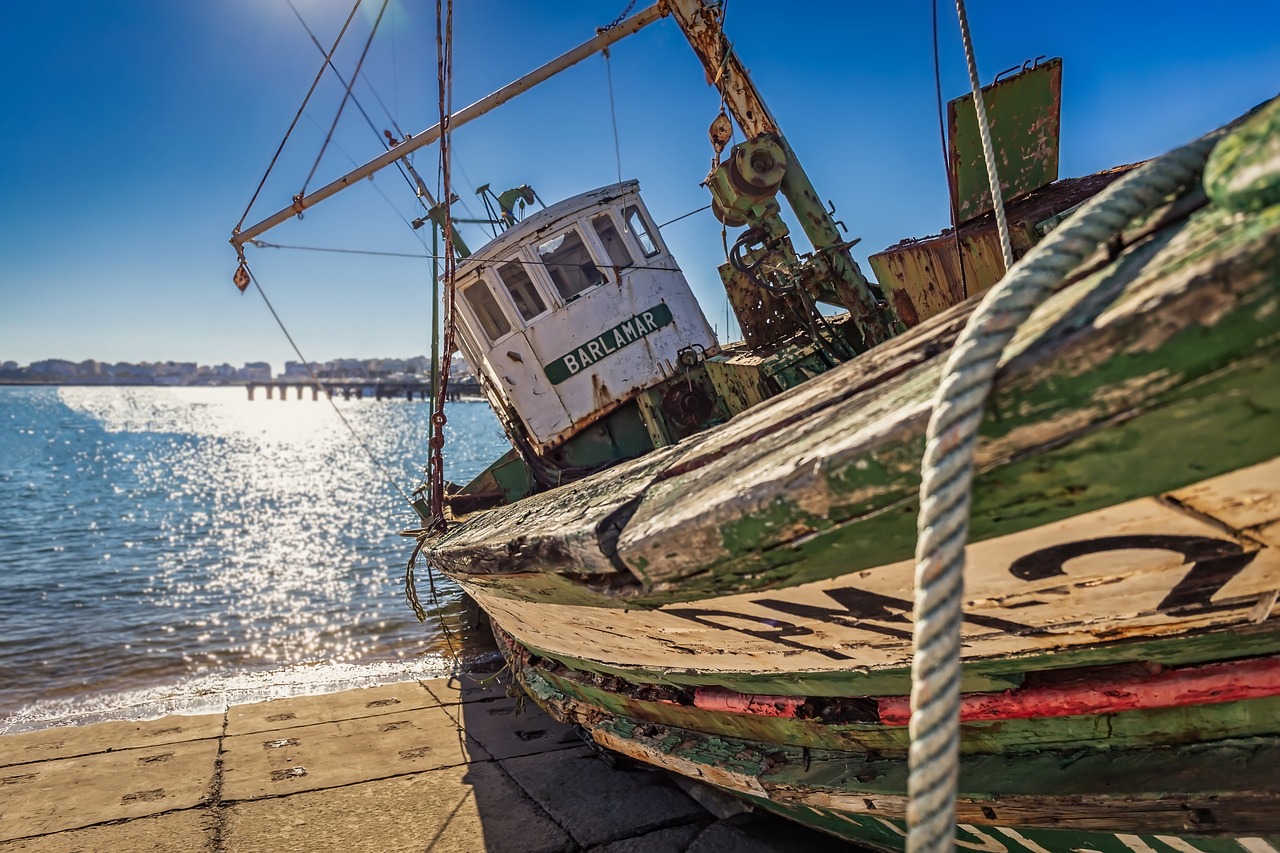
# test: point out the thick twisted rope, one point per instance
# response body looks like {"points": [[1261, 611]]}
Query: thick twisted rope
{"points": [[947, 475]]}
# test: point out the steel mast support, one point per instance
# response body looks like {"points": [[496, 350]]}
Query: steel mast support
{"points": [[701, 24], [602, 40]]}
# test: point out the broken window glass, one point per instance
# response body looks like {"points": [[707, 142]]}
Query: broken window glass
{"points": [[569, 264], [521, 288], [639, 229], [612, 241], [486, 309]]}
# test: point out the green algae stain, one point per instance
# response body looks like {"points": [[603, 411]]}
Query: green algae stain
{"points": [[1243, 172], [780, 518]]}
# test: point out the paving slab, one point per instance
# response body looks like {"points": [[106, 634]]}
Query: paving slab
{"points": [[510, 727], [469, 687], [186, 831], [765, 833], [347, 705], [596, 803], [68, 741], [326, 755], [673, 839], [464, 809], [69, 793]]}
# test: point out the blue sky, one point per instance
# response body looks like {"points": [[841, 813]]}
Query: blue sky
{"points": [[133, 133]]}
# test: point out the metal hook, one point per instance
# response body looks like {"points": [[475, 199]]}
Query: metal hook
{"points": [[831, 211]]}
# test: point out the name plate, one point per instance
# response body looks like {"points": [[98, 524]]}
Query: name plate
{"points": [[608, 342]]}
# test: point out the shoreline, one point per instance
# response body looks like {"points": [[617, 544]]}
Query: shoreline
{"points": [[215, 693]]}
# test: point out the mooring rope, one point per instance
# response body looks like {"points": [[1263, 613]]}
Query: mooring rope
{"points": [[947, 475]]}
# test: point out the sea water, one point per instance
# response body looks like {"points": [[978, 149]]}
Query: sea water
{"points": [[176, 549]]}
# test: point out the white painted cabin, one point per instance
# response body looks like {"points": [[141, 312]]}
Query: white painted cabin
{"points": [[575, 311]]}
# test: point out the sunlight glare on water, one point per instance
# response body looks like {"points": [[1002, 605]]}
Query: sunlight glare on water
{"points": [[171, 540]]}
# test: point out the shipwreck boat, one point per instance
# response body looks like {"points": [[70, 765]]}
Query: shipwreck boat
{"points": [[702, 554]]}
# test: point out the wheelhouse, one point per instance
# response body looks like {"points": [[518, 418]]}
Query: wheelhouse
{"points": [[573, 313]]}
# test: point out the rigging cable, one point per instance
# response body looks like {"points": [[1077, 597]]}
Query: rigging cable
{"points": [[378, 189], [263, 244], [946, 159], [613, 112], [369, 121], [613, 118], [435, 458], [294, 123], [338, 115], [683, 216], [984, 131], [444, 78], [321, 386]]}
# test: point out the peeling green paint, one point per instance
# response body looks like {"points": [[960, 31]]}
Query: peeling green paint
{"points": [[1127, 730], [1243, 172], [1239, 765], [977, 676]]}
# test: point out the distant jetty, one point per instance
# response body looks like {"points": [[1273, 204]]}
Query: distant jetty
{"points": [[359, 389]]}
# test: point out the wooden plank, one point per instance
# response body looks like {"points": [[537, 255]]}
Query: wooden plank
{"points": [[1210, 684], [1242, 500], [1127, 790], [1159, 571], [565, 530], [877, 832], [1158, 324], [573, 699], [996, 674]]}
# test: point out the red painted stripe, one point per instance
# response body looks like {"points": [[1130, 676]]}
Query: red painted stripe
{"points": [[718, 699], [1174, 688]]}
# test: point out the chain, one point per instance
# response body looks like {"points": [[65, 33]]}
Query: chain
{"points": [[617, 20]]}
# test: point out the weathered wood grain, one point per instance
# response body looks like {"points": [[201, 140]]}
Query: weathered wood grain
{"points": [[1145, 568], [578, 701], [1234, 784]]}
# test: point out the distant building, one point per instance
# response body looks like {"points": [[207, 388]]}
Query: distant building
{"points": [[55, 368], [255, 371], [346, 368], [93, 372]]}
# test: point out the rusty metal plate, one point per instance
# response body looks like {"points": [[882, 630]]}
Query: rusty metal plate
{"points": [[765, 320], [1024, 112]]}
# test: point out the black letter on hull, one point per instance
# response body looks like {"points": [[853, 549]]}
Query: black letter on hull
{"points": [[1213, 563]]}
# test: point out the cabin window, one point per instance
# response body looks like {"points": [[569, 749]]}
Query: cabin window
{"points": [[521, 288], [639, 228], [480, 298], [612, 241], [569, 264]]}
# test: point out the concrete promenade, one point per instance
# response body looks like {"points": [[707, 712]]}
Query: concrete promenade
{"points": [[443, 765]]}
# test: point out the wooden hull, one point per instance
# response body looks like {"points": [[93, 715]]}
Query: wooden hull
{"points": [[737, 608]]}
